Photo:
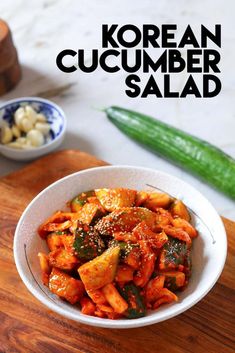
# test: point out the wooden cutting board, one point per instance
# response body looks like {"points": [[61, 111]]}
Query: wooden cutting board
{"points": [[27, 326]]}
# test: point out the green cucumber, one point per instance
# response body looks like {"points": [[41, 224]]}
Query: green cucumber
{"points": [[136, 306], [88, 244], [199, 157], [77, 202], [172, 254], [125, 248]]}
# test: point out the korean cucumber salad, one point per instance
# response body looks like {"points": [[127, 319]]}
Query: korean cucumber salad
{"points": [[118, 252]]}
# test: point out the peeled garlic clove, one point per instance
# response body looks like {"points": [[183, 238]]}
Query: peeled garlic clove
{"points": [[15, 131], [6, 134], [26, 125], [31, 114], [27, 144], [41, 118], [44, 128], [35, 137], [19, 115], [21, 140], [15, 145]]}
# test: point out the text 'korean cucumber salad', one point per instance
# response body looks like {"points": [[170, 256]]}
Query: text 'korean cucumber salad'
{"points": [[118, 252]]}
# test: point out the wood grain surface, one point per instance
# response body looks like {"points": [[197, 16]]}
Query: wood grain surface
{"points": [[26, 326]]}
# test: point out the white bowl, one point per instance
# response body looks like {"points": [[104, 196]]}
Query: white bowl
{"points": [[55, 117], [209, 249]]}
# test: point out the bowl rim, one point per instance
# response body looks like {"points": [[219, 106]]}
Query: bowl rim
{"points": [[107, 323], [45, 145]]}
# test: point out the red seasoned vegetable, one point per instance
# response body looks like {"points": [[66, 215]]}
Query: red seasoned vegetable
{"points": [[118, 252]]}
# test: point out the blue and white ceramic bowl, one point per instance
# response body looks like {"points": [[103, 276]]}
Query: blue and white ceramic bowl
{"points": [[55, 117]]}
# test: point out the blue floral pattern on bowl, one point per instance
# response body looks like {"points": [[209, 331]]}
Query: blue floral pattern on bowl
{"points": [[53, 115]]}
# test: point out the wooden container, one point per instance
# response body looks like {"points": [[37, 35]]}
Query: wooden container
{"points": [[10, 72]]}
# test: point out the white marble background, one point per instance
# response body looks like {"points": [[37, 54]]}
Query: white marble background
{"points": [[41, 29]]}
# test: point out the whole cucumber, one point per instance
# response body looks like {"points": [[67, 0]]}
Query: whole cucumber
{"points": [[189, 152]]}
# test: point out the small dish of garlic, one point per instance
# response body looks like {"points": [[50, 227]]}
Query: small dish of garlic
{"points": [[30, 127]]}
